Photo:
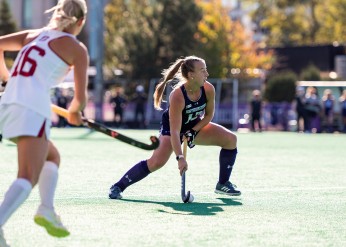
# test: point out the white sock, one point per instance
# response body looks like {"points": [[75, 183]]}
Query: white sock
{"points": [[14, 197], [47, 183]]}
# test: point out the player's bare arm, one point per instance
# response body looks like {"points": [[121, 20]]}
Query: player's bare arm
{"points": [[75, 54], [177, 104]]}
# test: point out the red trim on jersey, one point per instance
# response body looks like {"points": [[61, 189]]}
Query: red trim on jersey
{"points": [[55, 52], [40, 133]]}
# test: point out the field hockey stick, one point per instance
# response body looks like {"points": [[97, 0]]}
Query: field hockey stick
{"points": [[184, 197], [105, 130]]}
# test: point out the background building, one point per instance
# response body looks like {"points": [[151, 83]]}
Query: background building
{"points": [[23, 12]]}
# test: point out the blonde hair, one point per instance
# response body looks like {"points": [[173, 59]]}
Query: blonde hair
{"points": [[179, 69], [310, 91], [256, 92], [343, 95], [67, 13], [326, 94]]}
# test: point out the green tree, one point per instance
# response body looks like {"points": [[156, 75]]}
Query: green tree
{"points": [[212, 36], [301, 22], [115, 15], [177, 28], [281, 87], [310, 73], [143, 37], [7, 25], [331, 15]]}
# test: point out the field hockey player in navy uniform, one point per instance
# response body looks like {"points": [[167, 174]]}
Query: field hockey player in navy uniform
{"points": [[45, 57], [191, 109]]}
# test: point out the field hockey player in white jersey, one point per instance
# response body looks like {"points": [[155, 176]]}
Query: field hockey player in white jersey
{"points": [[45, 57]]}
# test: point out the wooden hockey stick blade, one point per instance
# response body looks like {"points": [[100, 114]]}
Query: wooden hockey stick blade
{"points": [[112, 133]]}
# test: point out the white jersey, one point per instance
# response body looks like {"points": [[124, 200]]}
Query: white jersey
{"points": [[36, 69]]}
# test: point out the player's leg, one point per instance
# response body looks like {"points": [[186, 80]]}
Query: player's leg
{"points": [[25, 128], [259, 123], [45, 215], [32, 152], [217, 135], [252, 120], [142, 169], [49, 177], [15, 196]]}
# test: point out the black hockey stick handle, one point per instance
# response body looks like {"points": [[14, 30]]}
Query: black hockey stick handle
{"points": [[184, 197], [112, 133]]}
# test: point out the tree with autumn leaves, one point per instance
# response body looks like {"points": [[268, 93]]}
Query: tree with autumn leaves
{"points": [[301, 22], [143, 37], [226, 45]]}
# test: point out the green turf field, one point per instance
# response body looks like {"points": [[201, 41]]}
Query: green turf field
{"points": [[294, 194]]}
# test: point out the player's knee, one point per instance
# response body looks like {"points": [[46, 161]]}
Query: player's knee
{"points": [[31, 175], [155, 164], [158, 165], [54, 156], [34, 180], [231, 141]]}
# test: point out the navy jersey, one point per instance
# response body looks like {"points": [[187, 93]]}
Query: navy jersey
{"points": [[256, 108], [191, 114]]}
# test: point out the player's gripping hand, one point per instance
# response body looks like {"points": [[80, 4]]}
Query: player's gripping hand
{"points": [[190, 135], [182, 166], [75, 118]]}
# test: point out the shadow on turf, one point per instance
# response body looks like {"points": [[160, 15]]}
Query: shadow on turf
{"points": [[196, 208]]}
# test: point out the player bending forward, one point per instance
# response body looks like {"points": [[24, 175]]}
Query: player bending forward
{"points": [[45, 57], [190, 111]]}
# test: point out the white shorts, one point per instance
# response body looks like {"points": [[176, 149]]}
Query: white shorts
{"points": [[16, 121]]}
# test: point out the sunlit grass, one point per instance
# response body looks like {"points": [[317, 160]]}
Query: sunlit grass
{"points": [[294, 194]]}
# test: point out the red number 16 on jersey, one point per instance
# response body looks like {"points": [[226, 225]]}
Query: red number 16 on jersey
{"points": [[26, 60]]}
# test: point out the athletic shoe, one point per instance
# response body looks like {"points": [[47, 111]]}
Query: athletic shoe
{"points": [[48, 219], [227, 189], [2, 239], [115, 192]]}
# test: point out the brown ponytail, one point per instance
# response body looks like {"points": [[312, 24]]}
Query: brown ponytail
{"points": [[178, 69], [168, 74]]}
